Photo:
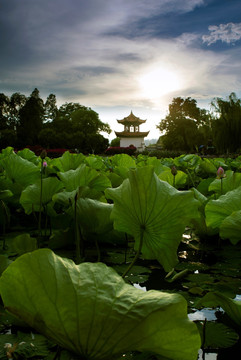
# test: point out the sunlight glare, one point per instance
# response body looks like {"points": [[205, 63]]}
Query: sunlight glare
{"points": [[159, 81]]}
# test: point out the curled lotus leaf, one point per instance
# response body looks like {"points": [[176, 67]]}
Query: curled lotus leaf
{"points": [[90, 310]]}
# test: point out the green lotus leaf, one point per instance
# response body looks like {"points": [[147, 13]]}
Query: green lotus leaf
{"points": [[23, 243], [217, 210], [30, 197], [4, 194], [90, 310], [68, 161], [231, 227], [84, 176], [123, 160], [4, 262], [116, 180], [230, 306], [95, 162], [94, 216], [206, 168], [6, 152], [229, 183], [20, 170], [180, 178], [204, 185], [158, 166], [29, 155], [151, 210], [217, 335]]}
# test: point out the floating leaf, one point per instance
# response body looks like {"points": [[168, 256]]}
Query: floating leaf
{"points": [[143, 204], [90, 310]]}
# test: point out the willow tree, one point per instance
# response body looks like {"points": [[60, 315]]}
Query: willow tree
{"points": [[227, 124]]}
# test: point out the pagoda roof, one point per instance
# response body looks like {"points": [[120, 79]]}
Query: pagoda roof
{"points": [[131, 120], [128, 134]]}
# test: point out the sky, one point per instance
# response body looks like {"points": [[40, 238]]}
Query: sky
{"points": [[118, 56]]}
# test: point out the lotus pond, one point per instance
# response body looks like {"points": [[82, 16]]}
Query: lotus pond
{"points": [[119, 257]]}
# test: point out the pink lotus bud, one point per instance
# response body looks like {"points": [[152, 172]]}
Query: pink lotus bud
{"points": [[220, 173], [45, 164], [174, 170]]}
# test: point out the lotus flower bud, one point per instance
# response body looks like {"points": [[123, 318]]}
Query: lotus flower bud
{"points": [[45, 164], [174, 170], [220, 173]]}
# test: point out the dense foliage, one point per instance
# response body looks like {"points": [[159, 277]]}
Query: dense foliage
{"points": [[191, 129], [58, 216], [30, 121]]}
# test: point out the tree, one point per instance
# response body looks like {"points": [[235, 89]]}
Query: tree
{"points": [[4, 111], [87, 121], [183, 124], [227, 124], [115, 142], [17, 101], [31, 117], [50, 108]]}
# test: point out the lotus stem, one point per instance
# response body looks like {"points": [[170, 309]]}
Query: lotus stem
{"points": [[40, 204], [174, 183], [78, 237], [190, 177], [221, 186], [137, 254]]}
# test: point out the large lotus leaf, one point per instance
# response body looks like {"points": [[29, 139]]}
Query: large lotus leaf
{"points": [[116, 180], [84, 176], [20, 170], [143, 204], [217, 210], [158, 166], [123, 160], [30, 197], [231, 227], [217, 335], [94, 216], [230, 182], [230, 306], [90, 310], [206, 168], [68, 161], [180, 178], [29, 155], [95, 162], [23, 243]]}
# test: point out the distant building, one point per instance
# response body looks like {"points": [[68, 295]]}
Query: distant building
{"points": [[131, 134]]}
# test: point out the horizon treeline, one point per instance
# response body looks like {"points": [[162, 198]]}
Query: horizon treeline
{"points": [[29, 121]]}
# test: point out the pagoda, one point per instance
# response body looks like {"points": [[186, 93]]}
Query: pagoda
{"points": [[131, 134]]}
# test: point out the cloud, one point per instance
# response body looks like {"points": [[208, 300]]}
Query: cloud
{"points": [[229, 33]]}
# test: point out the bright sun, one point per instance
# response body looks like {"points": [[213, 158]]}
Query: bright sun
{"points": [[158, 82]]}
